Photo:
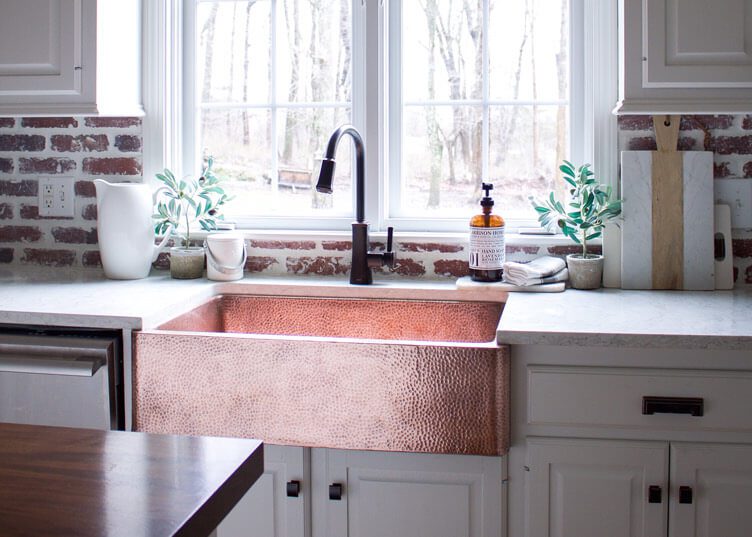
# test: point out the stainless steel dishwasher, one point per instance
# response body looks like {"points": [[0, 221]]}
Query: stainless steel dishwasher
{"points": [[61, 377]]}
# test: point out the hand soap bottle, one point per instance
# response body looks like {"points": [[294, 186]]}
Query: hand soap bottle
{"points": [[486, 242]]}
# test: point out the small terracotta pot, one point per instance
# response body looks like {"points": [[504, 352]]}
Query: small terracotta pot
{"points": [[186, 263], [585, 272]]}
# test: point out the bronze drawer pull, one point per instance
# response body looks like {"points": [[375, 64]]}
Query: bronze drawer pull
{"points": [[652, 404]]}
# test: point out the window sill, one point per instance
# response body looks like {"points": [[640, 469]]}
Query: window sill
{"points": [[512, 239]]}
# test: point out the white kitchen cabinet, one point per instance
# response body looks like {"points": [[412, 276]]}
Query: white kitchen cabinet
{"points": [[711, 490], [377, 494], [70, 57], [269, 509], [380, 495], [685, 56], [593, 428], [592, 488]]}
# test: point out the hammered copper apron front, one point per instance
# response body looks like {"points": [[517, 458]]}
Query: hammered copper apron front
{"points": [[307, 391]]}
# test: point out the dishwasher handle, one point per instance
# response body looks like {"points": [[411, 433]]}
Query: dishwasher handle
{"points": [[74, 366]]}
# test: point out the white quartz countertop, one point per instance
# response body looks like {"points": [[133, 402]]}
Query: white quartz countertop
{"points": [[614, 317], [606, 317], [70, 299]]}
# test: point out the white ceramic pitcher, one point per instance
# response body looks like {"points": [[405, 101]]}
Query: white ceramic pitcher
{"points": [[126, 229]]}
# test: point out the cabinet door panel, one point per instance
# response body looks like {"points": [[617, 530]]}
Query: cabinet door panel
{"points": [[402, 494], [592, 488], [265, 510], [40, 47], [696, 43], [720, 478]]}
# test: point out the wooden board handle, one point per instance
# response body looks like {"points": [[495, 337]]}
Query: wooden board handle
{"points": [[666, 132]]}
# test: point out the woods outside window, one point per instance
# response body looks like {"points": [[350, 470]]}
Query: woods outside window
{"points": [[456, 92]]}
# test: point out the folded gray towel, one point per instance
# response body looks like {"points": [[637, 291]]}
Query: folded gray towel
{"points": [[561, 276], [537, 268]]}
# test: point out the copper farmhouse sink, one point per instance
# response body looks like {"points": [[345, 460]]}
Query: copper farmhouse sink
{"points": [[393, 375]]}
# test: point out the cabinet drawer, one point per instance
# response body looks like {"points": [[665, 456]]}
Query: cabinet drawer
{"points": [[608, 396]]}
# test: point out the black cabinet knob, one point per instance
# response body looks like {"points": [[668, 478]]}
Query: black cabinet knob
{"points": [[293, 489], [335, 491], [685, 494], [655, 494]]}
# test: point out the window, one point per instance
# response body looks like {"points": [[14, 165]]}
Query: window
{"points": [[448, 93]]}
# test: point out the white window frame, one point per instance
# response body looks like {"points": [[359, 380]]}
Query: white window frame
{"points": [[166, 124]]}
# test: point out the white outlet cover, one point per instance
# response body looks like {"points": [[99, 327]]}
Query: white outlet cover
{"points": [[56, 196], [737, 194]]}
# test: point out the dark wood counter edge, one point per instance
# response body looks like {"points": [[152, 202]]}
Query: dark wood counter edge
{"points": [[205, 520]]}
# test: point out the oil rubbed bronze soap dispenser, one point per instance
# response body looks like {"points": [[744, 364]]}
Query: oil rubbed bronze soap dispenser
{"points": [[486, 242]]}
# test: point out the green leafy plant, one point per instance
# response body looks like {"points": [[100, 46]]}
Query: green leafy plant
{"points": [[189, 201], [589, 208]]}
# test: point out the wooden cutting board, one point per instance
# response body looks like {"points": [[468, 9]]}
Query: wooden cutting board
{"points": [[667, 228]]}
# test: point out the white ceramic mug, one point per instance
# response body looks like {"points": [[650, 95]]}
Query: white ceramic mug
{"points": [[225, 256]]}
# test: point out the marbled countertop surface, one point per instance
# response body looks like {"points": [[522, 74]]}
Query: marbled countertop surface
{"points": [[614, 317], [606, 317], [76, 299]]}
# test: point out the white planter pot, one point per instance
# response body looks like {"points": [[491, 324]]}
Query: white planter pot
{"points": [[186, 263], [585, 273]]}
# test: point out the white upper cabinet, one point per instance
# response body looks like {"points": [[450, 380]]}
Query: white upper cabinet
{"points": [[685, 56], [70, 57]]}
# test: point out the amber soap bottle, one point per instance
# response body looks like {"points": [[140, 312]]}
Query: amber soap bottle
{"points": [[486, 242]]}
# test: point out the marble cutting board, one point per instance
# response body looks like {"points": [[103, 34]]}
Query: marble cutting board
{"points": [[668, 216]]}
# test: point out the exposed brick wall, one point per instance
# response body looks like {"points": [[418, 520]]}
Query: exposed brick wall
{"points": [[85, 148], [730, 138]]}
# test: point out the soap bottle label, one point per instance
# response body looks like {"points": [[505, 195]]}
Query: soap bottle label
{"points": [[486, 248]]}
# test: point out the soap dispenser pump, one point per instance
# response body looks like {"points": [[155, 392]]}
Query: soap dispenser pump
{"points": [[486, 241]]}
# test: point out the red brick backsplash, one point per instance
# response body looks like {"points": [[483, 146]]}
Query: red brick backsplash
{"points": [[729, 137], [87, 148], [84, 148]]}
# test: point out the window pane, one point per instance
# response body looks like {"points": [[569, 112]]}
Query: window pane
{"points": [[442, 50], [234, 43], [261, 55], [440, 162], [241, 144], [528, 50], [527, 144], [313, 51], [455, 133]]}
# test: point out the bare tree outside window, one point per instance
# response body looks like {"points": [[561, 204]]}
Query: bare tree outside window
{"points": [[275, 80], [473, 115], [485, 97]]}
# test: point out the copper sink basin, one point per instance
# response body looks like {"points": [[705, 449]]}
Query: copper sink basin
{"points": [[443, 321], [392, 375]]}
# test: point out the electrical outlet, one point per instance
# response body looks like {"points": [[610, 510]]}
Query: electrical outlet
{"points": [[56, 196]]}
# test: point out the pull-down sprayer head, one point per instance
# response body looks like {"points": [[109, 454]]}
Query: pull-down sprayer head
{"points": [[326, 168]]}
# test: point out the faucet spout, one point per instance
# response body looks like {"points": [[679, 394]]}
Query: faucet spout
{"points": [[326, 171], [362, 260]]}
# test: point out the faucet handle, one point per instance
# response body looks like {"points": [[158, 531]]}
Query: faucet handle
{"points": [[389, 253]]}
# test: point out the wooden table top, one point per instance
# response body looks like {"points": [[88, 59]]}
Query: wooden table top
{"points": [[79, 482]]}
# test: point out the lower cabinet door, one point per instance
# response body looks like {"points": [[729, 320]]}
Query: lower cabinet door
{"points": [[377, 494], [711, 490], [596, 488], [269, 509]]}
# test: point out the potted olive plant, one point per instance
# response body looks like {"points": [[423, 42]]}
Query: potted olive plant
{"points": [[180, 206], [582, 219]]}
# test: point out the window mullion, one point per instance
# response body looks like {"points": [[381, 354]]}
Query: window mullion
{"points": [[394, 87], [366, 95], [273, 100], [486, 112]]}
